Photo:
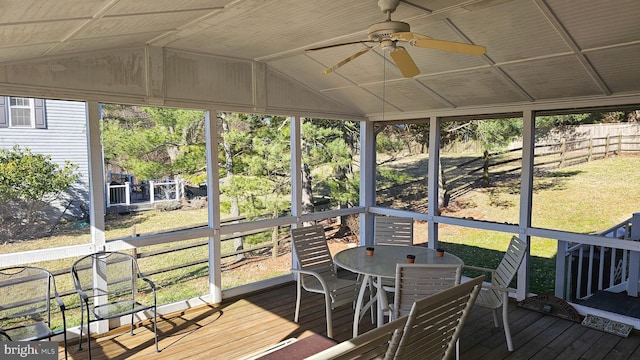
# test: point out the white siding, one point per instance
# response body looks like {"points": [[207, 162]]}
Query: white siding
{"points": [[63, 139]]}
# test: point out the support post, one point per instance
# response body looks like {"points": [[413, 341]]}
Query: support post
{"points": [[634, 258]]}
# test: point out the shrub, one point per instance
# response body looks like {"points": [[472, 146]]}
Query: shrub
{"points": [[29, 183]]}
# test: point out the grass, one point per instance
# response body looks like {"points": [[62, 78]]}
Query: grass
{"points": [[585, 198]]}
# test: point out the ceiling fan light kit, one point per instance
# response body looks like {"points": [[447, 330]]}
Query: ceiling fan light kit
{"points": [[387, 34]]}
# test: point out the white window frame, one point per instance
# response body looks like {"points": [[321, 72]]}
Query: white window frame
{"points": [[32, 112]]}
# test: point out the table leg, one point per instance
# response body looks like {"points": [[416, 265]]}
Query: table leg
{"points": [[356, 316], [382, 301]]}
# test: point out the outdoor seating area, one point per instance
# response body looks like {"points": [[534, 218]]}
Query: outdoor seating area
{"points": [[320, 172], [244, 325], [109, 285]]}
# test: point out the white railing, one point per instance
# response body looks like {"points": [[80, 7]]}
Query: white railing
{"points": [[585, 269], [153, 191]]}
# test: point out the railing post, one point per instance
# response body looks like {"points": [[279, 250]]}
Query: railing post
{"points": [[562, 291], [634, 258], [152, 189], [590, 148], [127, 194], [108, 186]]}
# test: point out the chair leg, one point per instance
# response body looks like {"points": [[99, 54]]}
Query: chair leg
{"points": [[505, 320], [496, 323], [155, 327], [298, 296], [327, 302]]}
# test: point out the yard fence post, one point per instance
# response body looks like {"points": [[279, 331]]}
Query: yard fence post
{"points": [[563, 151], [485, 175], [619, 152]]}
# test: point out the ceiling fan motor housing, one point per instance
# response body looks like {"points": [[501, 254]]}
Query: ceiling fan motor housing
{"points": [[383, 30]]}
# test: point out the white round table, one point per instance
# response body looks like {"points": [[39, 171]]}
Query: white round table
{"points": [[382, 264]]}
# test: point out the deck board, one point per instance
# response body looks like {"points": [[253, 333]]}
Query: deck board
{"points": [[242, 326]]}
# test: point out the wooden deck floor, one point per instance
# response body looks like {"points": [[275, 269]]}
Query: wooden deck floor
{"points": [[242, 326]]}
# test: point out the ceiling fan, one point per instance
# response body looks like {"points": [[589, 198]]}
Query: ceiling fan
{"points": [[388, 33]]}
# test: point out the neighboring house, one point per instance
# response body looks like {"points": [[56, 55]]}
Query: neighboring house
{"points": [[55, 128]]}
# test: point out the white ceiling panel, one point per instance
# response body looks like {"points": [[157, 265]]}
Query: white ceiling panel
{"points": [[124, 7], [479, 87], [619, 67], [597, 23], [25, 11], [537, 50], [553, 77], [512, 31]]}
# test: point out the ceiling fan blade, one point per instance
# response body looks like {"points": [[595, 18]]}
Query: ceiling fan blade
{"points": [[427, 42], [342, 44], [405, 63], [450, 46], [360, 52], [408, 36]]}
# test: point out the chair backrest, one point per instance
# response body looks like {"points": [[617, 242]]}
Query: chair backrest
{"points": [[117, 275], [372, 344], [508, 267], [434, 323], [25, 294], [311, 249], [392, 230], [504, 273], [416, 281]]}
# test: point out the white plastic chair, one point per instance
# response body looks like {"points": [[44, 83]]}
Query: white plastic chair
{"points": [[392, 230], [416, 281], [434, 324], [496, 294], [317, 272]]}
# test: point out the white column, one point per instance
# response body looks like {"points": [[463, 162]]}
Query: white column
{"points": [[433, 179], [367, 180], [213, 206], [296, 168], [96, 197], [526, 198]]}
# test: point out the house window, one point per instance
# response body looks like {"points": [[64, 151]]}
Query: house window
{"points": [[21, 112]]}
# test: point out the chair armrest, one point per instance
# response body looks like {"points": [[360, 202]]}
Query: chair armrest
{"points": [[60, 303], [148, 281], [314, 274], [498, 288], [83, 295], [479, 268]]}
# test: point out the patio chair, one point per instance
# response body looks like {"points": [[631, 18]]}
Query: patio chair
{"points": [[25, 305], [416, 281], [108, 287], [317, 272], [496, 294], [393, 230], [434, 324]]}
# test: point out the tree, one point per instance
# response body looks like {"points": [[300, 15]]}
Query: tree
{"points": [[28, 184], [154, 143]]}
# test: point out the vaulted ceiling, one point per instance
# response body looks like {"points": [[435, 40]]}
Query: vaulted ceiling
{"points": [[538, 51]]}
